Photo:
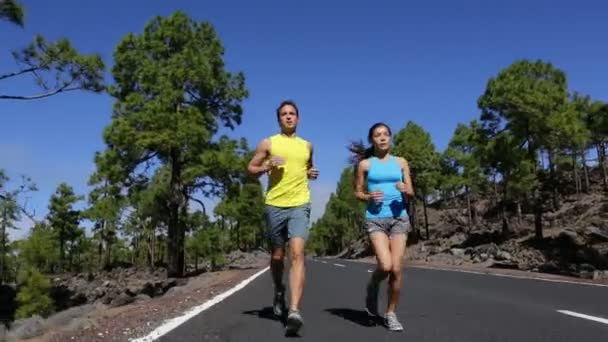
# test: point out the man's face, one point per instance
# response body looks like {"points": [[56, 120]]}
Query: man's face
{"points": [[288, 119]]}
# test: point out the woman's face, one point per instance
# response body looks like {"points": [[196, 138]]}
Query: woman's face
{"points": [[381, 139]]}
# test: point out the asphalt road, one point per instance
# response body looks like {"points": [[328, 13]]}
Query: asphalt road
{"points": [[435, 306]]}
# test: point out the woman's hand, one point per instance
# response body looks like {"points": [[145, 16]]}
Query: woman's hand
{"points": [[401, 187]]}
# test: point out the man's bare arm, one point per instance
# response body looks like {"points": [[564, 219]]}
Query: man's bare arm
{"points": [[310, 160], [256, 166]]}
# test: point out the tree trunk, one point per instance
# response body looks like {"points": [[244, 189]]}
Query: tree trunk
{"points": [[108, 238], [238, 235], [160, 251], [426, 216], [601, 155], [537, 200], [150, 253], [100, 247], [503, 207], [495, 197], [175, 236], [413, 216], [71, 256], [61, 253], [3, 248], [519, 215], [585, 170], [555, 195], [577, 182], [538, 220], [469, 211], [100, 255]]}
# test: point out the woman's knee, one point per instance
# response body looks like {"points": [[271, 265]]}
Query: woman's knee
{"points": [[385, 266], [396, 271]]}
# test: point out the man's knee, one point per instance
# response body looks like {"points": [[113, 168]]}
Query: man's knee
{"points": [[297, 257], [278, 254], [296, 250]]}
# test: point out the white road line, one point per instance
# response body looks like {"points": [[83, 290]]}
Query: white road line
{"points": [[370, 271], [325, 262], [506, 275], [173, 323], [580, 315], [339, 265]]}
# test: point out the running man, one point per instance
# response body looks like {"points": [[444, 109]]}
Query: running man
{"points": [[288, 161], [383, 181]]}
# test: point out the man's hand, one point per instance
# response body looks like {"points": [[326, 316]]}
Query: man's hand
{"points": [[313, 173], [273, 162]]}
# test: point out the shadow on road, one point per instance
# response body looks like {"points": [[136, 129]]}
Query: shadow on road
{"points": [[265, 313], [356, 316]]}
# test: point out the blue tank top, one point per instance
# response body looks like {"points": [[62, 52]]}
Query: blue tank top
{"points": [[383, 176]]}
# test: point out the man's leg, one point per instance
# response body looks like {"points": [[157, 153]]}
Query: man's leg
{"points": [[297, 272], [297, 227], [276, 267], [275, 221]]}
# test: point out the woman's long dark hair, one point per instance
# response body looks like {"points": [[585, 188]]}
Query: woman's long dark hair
{"points": [[358, 149]]}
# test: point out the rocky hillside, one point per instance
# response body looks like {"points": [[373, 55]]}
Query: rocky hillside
{"points": [[76, 295], [575, 243]]}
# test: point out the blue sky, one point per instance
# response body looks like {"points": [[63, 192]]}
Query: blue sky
{"points": [[347, 64]]}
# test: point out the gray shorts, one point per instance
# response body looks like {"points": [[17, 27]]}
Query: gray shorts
{"points": [[285, 223], [389, 225]]}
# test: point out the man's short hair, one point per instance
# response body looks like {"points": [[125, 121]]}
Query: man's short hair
{"points": [[287, 103]]}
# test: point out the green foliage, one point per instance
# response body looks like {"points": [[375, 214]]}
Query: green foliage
{"points": [[569, 129], [505, 155], [462, 155], [64, 220], [172, 94], [33, 294], [414, 144], [208, 243], [597, 121], [10, 212], [522, 98], [57, 68], [106, 207], [242, 206], [40, 250], [524, 101], [121, 253], [342, 221], [11, 11]]}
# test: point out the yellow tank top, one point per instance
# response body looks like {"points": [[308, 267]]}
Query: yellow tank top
{"points": [[288, 183]]}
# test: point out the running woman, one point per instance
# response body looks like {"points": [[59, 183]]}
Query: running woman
{"points": [[383, 181]]}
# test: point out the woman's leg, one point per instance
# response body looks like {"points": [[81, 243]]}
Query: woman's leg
{"points": [[380, 243], [397, 246]]}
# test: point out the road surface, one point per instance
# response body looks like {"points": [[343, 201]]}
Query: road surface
{"points": [[435, 306]]}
